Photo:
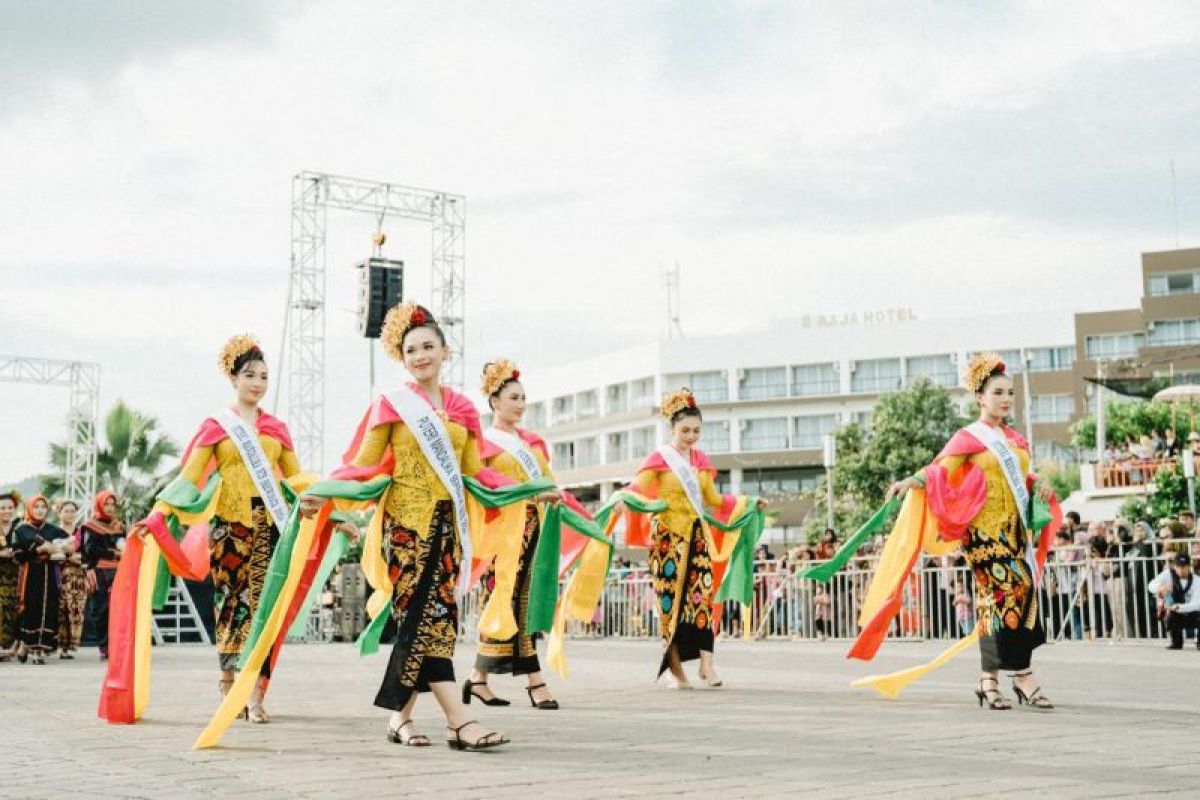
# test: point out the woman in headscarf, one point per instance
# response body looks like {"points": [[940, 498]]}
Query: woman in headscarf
{"points": [[9, 500], [39, 550], [103, 543], [73, 582]]}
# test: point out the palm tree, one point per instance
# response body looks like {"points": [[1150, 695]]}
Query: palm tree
{"points": [[128, 462]]}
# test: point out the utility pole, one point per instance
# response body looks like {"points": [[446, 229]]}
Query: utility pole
{"points": [[1027, 362], [1101, 433], [829, 451]]}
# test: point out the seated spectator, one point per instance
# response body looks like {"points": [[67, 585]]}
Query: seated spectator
{"points": [[1187, 521], [1156, 440], [1178, 596], [1170, 444], [1144, 448]]}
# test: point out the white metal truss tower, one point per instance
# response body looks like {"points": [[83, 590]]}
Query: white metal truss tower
{"points": [[82, 380], [313, 194]]}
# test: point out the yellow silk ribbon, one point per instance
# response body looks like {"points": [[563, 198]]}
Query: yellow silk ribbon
{"points": [[500, 539], [892, 684], [916, 529], [147, 574], [374, 565], [239, 694], [579, 601]]}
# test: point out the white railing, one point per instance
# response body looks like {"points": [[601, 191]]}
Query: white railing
{"points": [[1080, 598]]}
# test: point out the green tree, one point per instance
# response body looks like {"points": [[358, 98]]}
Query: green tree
{"points": [[1168, 498], [908, 429], [1134, 420], [129, 461]]}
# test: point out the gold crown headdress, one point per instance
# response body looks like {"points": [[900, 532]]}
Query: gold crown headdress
{"points": [[675, 402], [979, 368], [398, 322], [496, 374], [235, 348]]}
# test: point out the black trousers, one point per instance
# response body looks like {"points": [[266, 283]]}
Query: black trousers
{"points": [[1176, 623], [99, 605]]}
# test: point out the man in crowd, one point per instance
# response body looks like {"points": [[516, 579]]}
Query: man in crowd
{"points": [[1178, 595]]}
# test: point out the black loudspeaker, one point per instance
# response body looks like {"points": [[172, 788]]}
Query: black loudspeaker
{"points": [[380, 286]]}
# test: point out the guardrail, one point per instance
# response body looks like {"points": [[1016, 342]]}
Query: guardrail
{"points": [[1080, 598]]}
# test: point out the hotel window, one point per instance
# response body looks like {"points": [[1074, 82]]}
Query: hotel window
{"points": [[641, 393], [641, 442], [564, 409], [618, 447], [765, 434], [564, 455], [535, 416], [876, 375], [1114, 345], [709, 387], [810, 429], [762, 383], [1052, 408], [938, 369], [587, 452], [585, 404], [1052, 451], [1051, 359], [1167, 332], [780, 481], [815, 379], [715, 437], [616, 398], [1175, 283], [863, 418]]}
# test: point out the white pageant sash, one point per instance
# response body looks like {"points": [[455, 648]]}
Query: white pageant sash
{"points": [[515, 447], [435, 444], [245, 439], [995, 441], [686, 475]]}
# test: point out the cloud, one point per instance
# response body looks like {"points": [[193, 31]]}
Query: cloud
{"points": [[792, 157]]}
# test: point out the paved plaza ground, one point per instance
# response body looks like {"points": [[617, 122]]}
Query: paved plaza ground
{"points": [[786, 725]]}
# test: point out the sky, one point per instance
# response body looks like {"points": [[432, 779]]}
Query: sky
{"points": [[792, 157]]}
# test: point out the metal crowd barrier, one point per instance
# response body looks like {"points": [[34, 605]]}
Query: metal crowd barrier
{"points": [[1080, 598]]}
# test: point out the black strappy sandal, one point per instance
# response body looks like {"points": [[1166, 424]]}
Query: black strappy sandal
{"points": [[485, 742], [395, 736], [544, 705], [468, 691], [1035, 699], [995, 700]]}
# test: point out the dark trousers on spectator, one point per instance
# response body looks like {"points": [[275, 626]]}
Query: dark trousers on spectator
{"points": [[1177, 623], [99, 605]]}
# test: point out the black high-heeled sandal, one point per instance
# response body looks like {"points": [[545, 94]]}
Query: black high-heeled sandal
{"points": [[1035, 699], [485, 742], [544, 705], [998, 702], [395, 736], [468, 691]]}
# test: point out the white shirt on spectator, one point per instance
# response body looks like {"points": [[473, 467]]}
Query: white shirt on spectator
{"points": [[1191, 600]]}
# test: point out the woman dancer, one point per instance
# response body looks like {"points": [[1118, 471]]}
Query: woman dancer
{"points": [[681, 552], [103, 542], [9, 500], [73, 595], [521, 455], [250, 450], [423, 519], [38, 547], [978, 489]]}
